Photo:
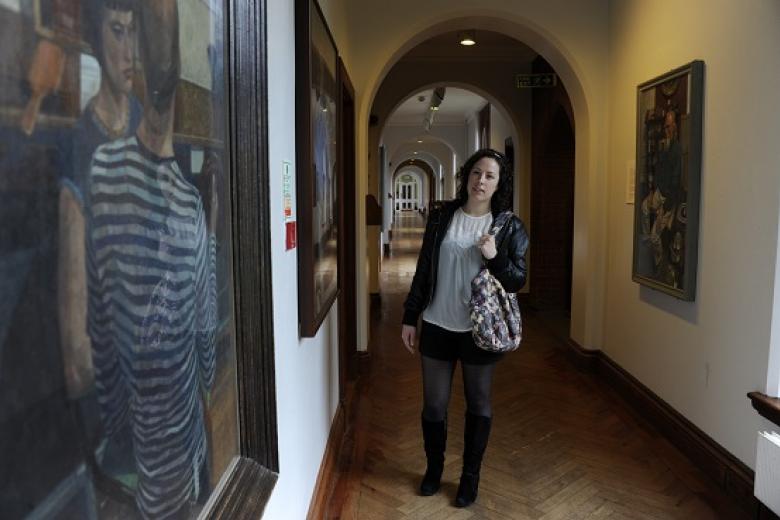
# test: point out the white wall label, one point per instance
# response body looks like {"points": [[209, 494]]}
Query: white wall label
{"points": [[287, 202], [290, 228], [630, 181]]}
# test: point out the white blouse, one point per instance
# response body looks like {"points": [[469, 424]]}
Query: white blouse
{"points": [[459, 262]]}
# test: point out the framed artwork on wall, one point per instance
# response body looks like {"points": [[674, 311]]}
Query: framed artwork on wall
{"points": [[668, 181], [58, 19], [317, 91], [131, 384]]}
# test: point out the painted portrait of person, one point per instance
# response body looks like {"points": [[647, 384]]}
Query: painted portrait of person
{"points": [[663, 207], [152, 306], [111, 114], [668, 170]]}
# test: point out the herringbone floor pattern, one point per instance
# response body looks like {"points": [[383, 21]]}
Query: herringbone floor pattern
{"points": [[563, 447]]}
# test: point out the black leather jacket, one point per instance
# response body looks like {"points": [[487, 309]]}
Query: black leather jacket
{"points": [[508, 266]]}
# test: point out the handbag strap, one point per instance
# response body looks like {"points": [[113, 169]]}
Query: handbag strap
{"points": [[499, 222]]}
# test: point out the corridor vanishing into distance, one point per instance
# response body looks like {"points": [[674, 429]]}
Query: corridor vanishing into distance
{"points": [[563, 445]]}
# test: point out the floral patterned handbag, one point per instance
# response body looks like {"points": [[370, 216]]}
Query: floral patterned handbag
{"points": [[495, 314]]}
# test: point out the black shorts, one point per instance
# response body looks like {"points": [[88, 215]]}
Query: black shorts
{"points": [[446, 345]]}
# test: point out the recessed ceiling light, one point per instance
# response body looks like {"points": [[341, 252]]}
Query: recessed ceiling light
{"points": [[467, 38], [419, 140]]}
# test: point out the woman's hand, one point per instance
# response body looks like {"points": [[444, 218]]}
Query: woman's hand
{"points": [[408, 333], [487, 244]]}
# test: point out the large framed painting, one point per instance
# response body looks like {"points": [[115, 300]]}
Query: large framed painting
{"points": [[127, 363], [667, 184], [317, 183]]}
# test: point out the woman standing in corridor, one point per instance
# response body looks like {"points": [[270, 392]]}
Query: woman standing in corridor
{"points": [[455, 246]]}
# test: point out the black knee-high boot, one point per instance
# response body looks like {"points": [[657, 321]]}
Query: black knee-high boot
{"points": [[475, 439], [435, 437]]}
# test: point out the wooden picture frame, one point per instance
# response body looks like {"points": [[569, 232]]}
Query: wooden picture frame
{"points": [[348, 227], [668, 181], [246, 487], [317, 94]]}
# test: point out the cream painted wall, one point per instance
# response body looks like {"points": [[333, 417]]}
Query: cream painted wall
{"points": [[306, 370], [335, 12], [702, 357], [472, 135], [500, 129], [573, 37]]}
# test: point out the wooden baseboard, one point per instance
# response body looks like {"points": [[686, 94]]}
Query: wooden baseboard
{"points": [[328, 474], [733, 477], [584, 359]]}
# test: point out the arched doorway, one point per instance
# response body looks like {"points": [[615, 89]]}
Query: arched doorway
{"points": [[408, 192], [390, 97], [584, 88], [552, 205], [552, 215], [430, 176]]}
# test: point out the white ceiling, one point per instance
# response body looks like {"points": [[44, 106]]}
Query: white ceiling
{"points": [[457, 105]]}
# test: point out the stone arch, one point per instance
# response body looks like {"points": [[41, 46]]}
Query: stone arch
{"points": [[508, 23], [586, 98]]}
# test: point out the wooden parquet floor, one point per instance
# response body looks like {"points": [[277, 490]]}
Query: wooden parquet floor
{"points": [[563, 445]]}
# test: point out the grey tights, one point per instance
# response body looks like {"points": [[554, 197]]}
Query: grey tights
{"points": [[437, 386]]}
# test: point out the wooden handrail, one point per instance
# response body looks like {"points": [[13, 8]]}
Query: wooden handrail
{"points": [[768, 407]]}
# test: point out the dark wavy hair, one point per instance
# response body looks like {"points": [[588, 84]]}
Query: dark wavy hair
{"points": [[502, 198]]}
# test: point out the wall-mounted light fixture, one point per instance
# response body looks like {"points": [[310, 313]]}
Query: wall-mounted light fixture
{"points": [[436, 99], [467, 38]]}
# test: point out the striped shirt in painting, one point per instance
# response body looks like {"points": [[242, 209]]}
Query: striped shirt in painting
{"points": [[152, 316]]}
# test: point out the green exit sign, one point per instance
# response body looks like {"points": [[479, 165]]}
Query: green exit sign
{"points": [[546, 80]]}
